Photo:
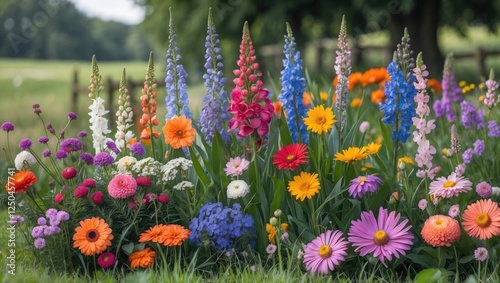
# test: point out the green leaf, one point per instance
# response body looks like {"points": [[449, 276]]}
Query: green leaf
{"points": [[199, 170], [279, 193], [431, 275], [128, 248]]}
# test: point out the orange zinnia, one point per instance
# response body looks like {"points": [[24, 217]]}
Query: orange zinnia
{"points": [[21, 181], [143, 258], [377, 96], [175, 234], [178, 132], [482, 219], [154, 234], [93, 236], [374, 76], [435, 85]]}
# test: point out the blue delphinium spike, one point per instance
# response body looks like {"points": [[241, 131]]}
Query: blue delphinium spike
{"points": [[293, 85], [214, 115]]}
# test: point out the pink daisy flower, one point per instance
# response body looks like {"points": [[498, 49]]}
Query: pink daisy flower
{"points": [[363, 184], [325, 252], [122, 186], [383, 236], [422, 204], [449, 187], [236, 166], [454, 211]]}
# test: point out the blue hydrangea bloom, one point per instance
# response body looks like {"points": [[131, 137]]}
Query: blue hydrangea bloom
{"points": [[214, 115], [222, 228], [176, 101], [399, 105], [293, 85]]}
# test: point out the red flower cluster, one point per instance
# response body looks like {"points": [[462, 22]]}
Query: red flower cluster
{"points": [[251, 109]]}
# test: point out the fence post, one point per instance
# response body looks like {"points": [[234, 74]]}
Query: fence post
{"points": [[111, 89], [480, 57], [74, 92]]}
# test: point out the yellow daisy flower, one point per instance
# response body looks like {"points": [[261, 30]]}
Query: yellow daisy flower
{"points": [[373, 148], [352, 154], [406, 160], [304, 185], [320, 119]]}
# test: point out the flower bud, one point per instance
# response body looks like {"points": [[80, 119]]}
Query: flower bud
{"points": [[278, 212], [273, 221]]}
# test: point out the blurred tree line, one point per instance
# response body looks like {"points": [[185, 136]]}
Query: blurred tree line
{"points": [[55, 29]]}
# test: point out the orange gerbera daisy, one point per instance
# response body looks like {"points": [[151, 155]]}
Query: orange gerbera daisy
{"points": [[21, 181], [143, 258], [179, 132], [482, 219], [154, 234], [377, 96], [374, 76], [93, 236], [175, 235], [355, 79]]}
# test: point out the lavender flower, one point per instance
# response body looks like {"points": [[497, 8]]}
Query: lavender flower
{"points": [[37, 231], [61, 154], [16, 220], [138, 149], [177, 102], [71, 144], [481, 254], [63, 215], [293, 85], [493, 129], [25, 144], [484, 189], [343, 70], [41, 221], [51, 212], [87, 158], [7, 127], [451, 92], [103, 159], [467, 155], [478, 147], [471, 117], [214, 115], [39, 243]]}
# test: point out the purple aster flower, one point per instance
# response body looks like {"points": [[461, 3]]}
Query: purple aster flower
{"points": [[16, 220], [87, 158], [48, 231], [82, 134], [54, 220], [103, 159], [42, 221], [43, 139], [481, 254], [46, 153], [63, 215], [71, 144], [138, 149], [25, 144], [8, 127], [493, 129], [484, 189], [325, 252], [39, 243], [72, 116], [363, 184], [384, 237], [37, 231], [478, 147], [51, 212], [467, 155], [112, 146], [61, 154]]}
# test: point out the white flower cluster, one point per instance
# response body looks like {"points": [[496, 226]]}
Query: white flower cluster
{"points": [[98, 124], [237, 189], [124, 119], [170, 170], [124, 165], [24, 156], [146, 167], [184, 185]]}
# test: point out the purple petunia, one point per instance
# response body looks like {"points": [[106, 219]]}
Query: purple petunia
{"points": [[25, 144], [103, 159], [8, 127], [363, 184]]}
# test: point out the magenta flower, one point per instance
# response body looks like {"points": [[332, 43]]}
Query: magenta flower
{"points": [[363, 184], [481, 254], [122, 186], [236, 166], [449, 187], [384, 237], [325, 252], [484, 189]]}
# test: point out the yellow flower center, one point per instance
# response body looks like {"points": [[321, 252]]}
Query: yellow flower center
{"points": [[483, 220], [449, 184], [320, 120], [92, 235], [362, 180], [325, 251], [380, 238], [438, 222], [290, 157]]}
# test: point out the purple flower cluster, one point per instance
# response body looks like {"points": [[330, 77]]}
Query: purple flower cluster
{"points": [[43, 139], [71, 144], [493, 129], [61, 154], [478, 147], [16, 220], [451, 92], [103, 159], [48, 226], [138, 149], [7, 127], [25, 144], [469, 153], [471, 116], [87, 158], [112, 146]]}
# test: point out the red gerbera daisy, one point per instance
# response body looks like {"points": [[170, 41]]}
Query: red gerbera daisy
{"points": [[291, 156]]}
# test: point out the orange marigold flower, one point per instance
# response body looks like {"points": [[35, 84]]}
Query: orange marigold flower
{"points": [[271, 233], [434, 85], [356, 102], [375, 76], [482, 219], [179, 132], [278, 106], [175, 235], [93, 236], [441, 230], [143, 258], [154, 234], [306, 98], [21, 181], [355, 79], [377, 96]]}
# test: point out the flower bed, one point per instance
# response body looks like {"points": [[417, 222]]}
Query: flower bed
{"points": [[383, 169]]}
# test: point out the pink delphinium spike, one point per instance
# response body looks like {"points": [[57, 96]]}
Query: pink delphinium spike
{"points": [[343, 70], [492, 85]]}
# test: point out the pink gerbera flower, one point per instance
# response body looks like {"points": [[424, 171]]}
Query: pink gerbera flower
{"points": [[384, 237], [449, 187], [325, 252], [363, 184], [236, 166], [122, 186]]}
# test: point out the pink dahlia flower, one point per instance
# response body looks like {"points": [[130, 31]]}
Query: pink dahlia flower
{"points": [[122, 186]]}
